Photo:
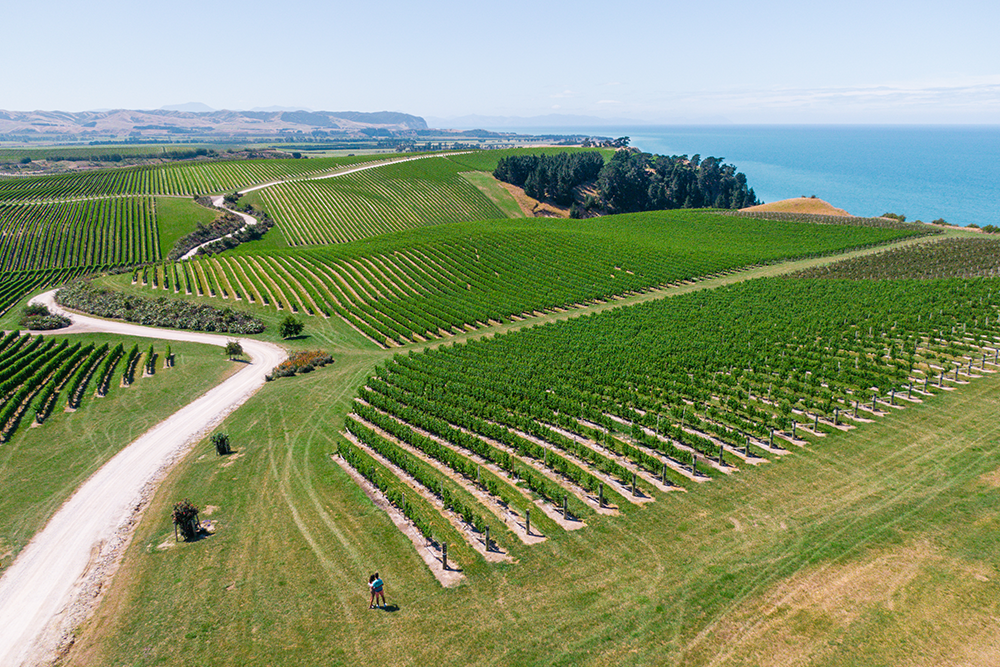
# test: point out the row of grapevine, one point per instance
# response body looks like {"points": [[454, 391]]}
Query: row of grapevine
{"points": [[36, 372], [681, 389], [15, 285], [81, 233], [396, 291]]}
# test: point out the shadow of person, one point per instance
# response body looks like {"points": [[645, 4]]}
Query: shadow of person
{"points": [[391, 607]]}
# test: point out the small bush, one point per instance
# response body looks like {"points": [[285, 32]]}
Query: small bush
{"points": [[221, 443], [301, 362]]}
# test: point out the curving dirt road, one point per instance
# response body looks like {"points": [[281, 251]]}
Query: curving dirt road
{"points": [[54, 581]]}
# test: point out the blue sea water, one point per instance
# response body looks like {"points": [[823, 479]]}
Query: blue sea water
{"points": [[922, 172]]}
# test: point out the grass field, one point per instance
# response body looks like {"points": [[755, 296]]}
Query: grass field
{"points": [[41, 466], [177, 217]]}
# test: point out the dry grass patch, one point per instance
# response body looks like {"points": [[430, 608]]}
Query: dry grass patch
{"points": [[810, 205]]}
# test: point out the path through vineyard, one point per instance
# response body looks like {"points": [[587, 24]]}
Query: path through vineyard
{"points": [[54, 580]]}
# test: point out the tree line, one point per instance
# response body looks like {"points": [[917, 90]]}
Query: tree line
{"points": [[631, 180]]}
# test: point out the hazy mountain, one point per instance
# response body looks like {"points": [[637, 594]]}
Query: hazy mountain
{"points": [[118, 124]]}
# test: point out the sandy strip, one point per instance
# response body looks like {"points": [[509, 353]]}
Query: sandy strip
{"points": [[55, 582]]}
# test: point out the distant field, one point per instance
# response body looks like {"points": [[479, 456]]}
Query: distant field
{"points": [[180, 178], [438, 281]]}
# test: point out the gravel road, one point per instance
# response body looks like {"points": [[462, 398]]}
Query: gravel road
{"points": [[55, 580]]}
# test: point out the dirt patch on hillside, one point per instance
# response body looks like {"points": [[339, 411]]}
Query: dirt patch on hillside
{"points": [[533, 208], [810, 205]]}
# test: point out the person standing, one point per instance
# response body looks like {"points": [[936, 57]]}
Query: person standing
{"points": [[371, 589], [378, 591]]}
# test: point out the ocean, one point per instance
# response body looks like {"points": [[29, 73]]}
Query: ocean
{"points": [[922, 172]]}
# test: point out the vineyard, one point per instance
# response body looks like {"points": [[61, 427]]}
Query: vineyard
{"points": [[100, 232], [38, 373], [375, 201], [948, 258], [437, 282], [601, 413]]}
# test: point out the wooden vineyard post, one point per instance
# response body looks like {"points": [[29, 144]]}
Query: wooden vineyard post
{"points": [[794, 425], [770, 440], [479, 478], [600, 495], [746, 446], [892, 397], [566, 507], [925, 384], [982, 364], [816, 422], [663, 474], [488, 546], [941, 379], [720, 454], [909, 390], [694, 463], [402, 503], [444, 555], [527, 522], [836, 416], [855, 407], [634, 488]]}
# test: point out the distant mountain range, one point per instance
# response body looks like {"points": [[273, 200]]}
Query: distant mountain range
{"points": [[182, 121]]}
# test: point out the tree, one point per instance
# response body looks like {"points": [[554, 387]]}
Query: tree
{"points": [[234, 349], [290, 327]]}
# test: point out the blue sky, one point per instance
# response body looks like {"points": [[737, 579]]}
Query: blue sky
{"points": [[661, 62]]}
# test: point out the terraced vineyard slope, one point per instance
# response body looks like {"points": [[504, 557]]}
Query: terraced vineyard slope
{"points": [[375, 201], [439, 281]]}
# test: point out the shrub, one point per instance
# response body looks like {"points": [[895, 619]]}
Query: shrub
{"points": [[221, 443], [185, 516], [37, 317], [301, 362]]}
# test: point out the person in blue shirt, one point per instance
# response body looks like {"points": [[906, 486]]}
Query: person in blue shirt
{"points": [[377, 588]]}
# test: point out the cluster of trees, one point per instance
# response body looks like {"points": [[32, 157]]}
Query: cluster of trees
{"points": [[550, 176], [631, 181], [634, 181]]}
